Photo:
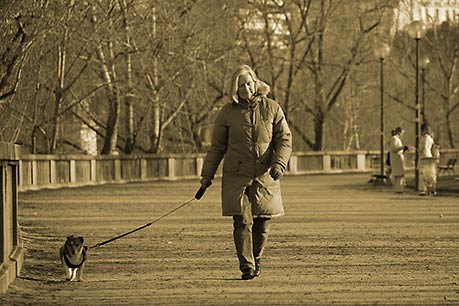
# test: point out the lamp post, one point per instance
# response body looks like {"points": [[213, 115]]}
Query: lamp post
{"points": [[416, 30], [424, 63], [381, 51]]}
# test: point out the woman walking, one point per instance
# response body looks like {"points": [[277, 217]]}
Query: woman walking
{"points": [[397, 159], [428, 154], [251, 132]]}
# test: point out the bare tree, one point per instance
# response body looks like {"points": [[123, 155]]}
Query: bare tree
{"points": [[12, 59], [444, 76], [182, 65], [308, 59], [150, 75], [441, 81], [18, 36], [129, 95], [329, 71], [106, 59], [71, 61]]}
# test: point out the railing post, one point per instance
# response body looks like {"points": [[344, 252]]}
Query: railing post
{"points": [[117, 165], [293, 164], [20, 174], [3, 216], [34, 172], [171, 167], [326, 162], [93, 166], [14, 199], [361, 162], [72, 174], [52, 172], [143, 169]]}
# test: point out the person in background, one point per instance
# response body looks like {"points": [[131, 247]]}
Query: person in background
{"points": [[388, 167], [397, 160], [428, 154], [252, 133]]}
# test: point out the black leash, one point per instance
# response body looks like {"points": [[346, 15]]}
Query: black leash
{"points": [[197, 196]]}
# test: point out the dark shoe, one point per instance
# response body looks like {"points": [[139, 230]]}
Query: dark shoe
{"points": [[257, 271], [248, 274]]}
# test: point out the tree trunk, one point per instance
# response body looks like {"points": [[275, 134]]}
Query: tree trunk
{"points": [[155, 132], [197, 139], [59, 92], [319, 123], [129, 96], [449, 129], [109, 146], [88, 137], [56, 122], [109, 76], [12, 57]]}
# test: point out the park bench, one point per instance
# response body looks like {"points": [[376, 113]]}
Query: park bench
{"points": [[448, 167]]}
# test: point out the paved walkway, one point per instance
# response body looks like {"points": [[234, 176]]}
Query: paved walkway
{"points": [[343, 241]]}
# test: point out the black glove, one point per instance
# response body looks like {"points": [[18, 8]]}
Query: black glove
{"points": [[276, 172]]}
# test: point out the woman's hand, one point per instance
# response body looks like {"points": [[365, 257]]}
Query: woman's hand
{"points": [[205, 182], [276, 172]]}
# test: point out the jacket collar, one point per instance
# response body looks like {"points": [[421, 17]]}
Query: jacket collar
{"points": [[253, 103]]}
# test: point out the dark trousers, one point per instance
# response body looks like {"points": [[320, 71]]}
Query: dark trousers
{"points": [[250, 236]]}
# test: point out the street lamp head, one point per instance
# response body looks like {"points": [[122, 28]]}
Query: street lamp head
{"points": [[381, 50], [424, 62], [416, 29]]}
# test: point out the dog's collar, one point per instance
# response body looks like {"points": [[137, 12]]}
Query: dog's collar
{"points": [[70, 265]]}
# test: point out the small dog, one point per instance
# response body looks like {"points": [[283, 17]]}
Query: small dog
{"points": [[73, 257]]}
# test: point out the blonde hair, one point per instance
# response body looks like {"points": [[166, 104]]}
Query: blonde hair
{"points": [[261, 88]]}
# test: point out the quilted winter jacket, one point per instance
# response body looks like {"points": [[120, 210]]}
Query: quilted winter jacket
{"points": [[251, 139]]}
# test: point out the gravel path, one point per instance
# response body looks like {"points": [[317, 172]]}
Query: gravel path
{"points": [[342, 242]]}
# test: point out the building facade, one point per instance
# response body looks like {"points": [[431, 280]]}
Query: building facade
{"points": [[430, 11]]}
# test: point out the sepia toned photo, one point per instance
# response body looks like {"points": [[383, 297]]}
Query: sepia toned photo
{"points": [[229, 152]]}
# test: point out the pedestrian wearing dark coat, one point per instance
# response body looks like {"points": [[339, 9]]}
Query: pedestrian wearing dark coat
{"points": [[253, 136]]}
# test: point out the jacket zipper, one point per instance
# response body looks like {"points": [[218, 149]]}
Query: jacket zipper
{"points": [[254, 147]]}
